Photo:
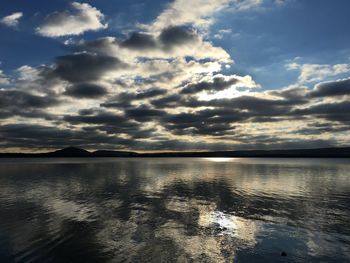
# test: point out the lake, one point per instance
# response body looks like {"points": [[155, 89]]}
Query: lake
{"points": [[174, 210]]}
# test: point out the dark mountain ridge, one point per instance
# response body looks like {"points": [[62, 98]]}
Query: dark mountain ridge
{"points": [[343, 152], [70, 152]]}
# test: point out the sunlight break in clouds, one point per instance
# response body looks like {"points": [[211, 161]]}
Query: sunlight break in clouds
{"points": [[86, 18]]}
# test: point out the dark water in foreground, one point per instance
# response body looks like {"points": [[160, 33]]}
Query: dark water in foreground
{"points": [[174, 210]]}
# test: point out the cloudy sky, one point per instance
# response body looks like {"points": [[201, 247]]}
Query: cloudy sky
{"points": [[153, 75]]}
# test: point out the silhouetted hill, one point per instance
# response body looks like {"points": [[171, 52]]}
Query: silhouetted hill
{"points": [[296, 153], [70, 152]]}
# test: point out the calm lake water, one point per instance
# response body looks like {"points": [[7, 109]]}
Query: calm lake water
{"points": [[174, 210]]}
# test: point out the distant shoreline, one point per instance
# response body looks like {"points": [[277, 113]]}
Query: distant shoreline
{"points": [[72, 152]]}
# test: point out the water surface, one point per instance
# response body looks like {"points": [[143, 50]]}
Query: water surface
{"points": [[174, 210]]}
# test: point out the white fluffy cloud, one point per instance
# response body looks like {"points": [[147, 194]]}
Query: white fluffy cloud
{"points": [[317, 72], [220, 34], [246, 4], [12, 20], [3, 78], [85, 18], [27, 73], [197, 12]]}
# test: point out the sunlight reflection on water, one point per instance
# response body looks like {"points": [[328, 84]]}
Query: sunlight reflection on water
{"points": [[174, 210], [219, 159]]}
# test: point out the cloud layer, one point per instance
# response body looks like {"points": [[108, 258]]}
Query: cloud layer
{"points": [[165, 86]]}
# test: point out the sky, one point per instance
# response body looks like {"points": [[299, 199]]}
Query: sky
{"points": [[180, 75]]}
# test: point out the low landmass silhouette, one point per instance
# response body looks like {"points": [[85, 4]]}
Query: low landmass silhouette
{"points": [[343, 152]]}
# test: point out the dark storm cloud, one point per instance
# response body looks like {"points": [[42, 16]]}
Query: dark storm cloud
{"points": [[327, 108], [19, 103], [249, 105], [167, 101], [116, 104], [338, 111], [164, 77], [215, 122], [11, 98], [85, 90], [251, 109], [321, 90], [324, 128], [296, 94], [177, 36], [33, 131], [141, 95], [254, 104], [221, 116], [168, 38], [224, 112], [143, 113], [40, 137], [124, 99], [97, 118], [139, 41], [101, 45], [26, 113], [201, 129], [114, 124], [86, 112], [153, 92], [329, 89], [217, 84], [84, 67]]}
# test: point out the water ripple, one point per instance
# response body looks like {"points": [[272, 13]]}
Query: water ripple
{"points": [[175, 210]]}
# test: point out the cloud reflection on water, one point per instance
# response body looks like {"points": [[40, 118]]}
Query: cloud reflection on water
{"points": [[174, 209]]}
